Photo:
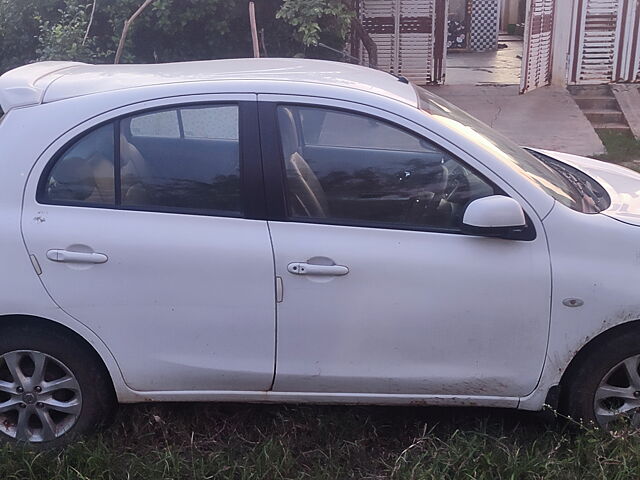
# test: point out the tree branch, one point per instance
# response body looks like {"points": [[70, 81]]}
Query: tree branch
{"points": [[93, 11], [125, 30], [254, 30]]}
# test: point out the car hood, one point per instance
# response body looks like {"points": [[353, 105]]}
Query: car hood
{"points": [[622, 184]]}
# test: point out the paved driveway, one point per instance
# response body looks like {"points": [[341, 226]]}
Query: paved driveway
{"points": [[546, 118]]}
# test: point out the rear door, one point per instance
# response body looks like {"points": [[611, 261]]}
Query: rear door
{"points": [[145, 229]]}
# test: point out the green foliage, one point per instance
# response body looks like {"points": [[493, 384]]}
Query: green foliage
{"points": [[64, 39], [20, 28], [167, 31], [312, 17], [621, 147]]}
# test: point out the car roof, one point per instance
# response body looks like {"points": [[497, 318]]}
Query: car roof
{"points": [[45, 82]]}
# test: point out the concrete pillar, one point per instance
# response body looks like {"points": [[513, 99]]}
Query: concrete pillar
{"points": [[563, 26]]}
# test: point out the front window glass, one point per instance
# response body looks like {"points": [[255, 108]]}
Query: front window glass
{"points": [[552, 181], [354, 169]]}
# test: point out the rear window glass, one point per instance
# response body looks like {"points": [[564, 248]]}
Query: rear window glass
{"points": [[184, 159]]}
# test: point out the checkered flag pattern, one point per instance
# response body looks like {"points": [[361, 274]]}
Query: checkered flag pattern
{"points": [[484, 25]]}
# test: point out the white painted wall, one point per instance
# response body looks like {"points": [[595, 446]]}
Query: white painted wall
{"points": [[562, 41], [509, 13]]}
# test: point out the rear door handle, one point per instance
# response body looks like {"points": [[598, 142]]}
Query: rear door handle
{"points": [[320, 270], [76, 257]]}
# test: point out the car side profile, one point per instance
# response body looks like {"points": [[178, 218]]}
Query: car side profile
{"points": [[288, 230]]}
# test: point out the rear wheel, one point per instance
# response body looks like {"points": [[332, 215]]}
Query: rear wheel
{"points": [[604, 389], [52, 387]]}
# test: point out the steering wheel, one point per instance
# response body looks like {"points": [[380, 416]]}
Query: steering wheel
{"points": [[433, 192], [456, 184]]}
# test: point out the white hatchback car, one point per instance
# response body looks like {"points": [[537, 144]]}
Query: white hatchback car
{"points": [[298, 231]]}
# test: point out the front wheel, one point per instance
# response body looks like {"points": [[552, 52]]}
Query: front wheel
{"points": [[52, 387], [604, 389]]}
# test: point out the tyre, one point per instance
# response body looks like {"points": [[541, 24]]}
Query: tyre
{"points": [[604, 388], [53, 387]]}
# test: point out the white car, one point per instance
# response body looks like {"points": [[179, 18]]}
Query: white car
{"points": [[286, 230]]}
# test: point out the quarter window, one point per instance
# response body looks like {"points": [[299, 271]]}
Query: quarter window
{"points": [[350, 168], [184, 159]]}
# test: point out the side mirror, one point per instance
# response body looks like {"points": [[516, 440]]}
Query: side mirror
{"points": [[496, 216]]}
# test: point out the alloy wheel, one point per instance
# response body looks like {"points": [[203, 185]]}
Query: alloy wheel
{"points": [[40, 398], [618, 395]]}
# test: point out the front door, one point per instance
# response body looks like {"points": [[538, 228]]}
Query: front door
{"points": [[142, 229], [381, 291]]}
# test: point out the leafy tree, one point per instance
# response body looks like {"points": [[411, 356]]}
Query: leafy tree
{"points": [[311, 18], [20, 29], [167, 31], [66, 38]]}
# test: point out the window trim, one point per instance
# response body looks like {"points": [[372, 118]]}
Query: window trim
{"points": [[251, 189], [275, 167]]}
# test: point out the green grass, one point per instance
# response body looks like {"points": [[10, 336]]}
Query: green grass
{"points": [[621, 147], [206, 441]]}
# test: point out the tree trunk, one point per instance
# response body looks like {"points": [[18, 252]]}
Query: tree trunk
{"points": [[361, 34], [367, 41]]}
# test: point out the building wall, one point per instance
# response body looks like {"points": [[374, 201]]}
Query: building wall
{"points": [[458, 9], [510, 13]]}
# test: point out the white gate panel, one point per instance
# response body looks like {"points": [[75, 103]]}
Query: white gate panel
{"points": [[416, 40], [410, 36], [378, 18], [597, 40], [538, 48], [633, 41]]}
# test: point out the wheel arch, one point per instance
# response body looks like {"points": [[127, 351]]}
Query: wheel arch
{"points": [[591, 346], [93, 344]]}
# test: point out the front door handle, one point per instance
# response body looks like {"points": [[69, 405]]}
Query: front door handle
{"points": [[320, 270], [76, 257]]}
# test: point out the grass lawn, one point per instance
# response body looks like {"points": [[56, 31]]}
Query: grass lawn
{"points": [[621, 148], [207, 441]]}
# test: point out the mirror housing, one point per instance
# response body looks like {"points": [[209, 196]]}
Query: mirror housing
{"points": [[496, 216]]}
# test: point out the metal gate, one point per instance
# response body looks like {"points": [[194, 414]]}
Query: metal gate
{"points": [[605, 41], [537, 59], [410, 36], [632, 69]]}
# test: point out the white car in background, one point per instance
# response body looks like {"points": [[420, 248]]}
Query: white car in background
{"points": [[283, 230]]}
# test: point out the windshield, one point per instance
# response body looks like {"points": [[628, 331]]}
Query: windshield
{"points": [[561, 187]]}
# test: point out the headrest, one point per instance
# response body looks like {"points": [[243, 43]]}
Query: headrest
{"points": [[74, 178], [288, 132]]}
